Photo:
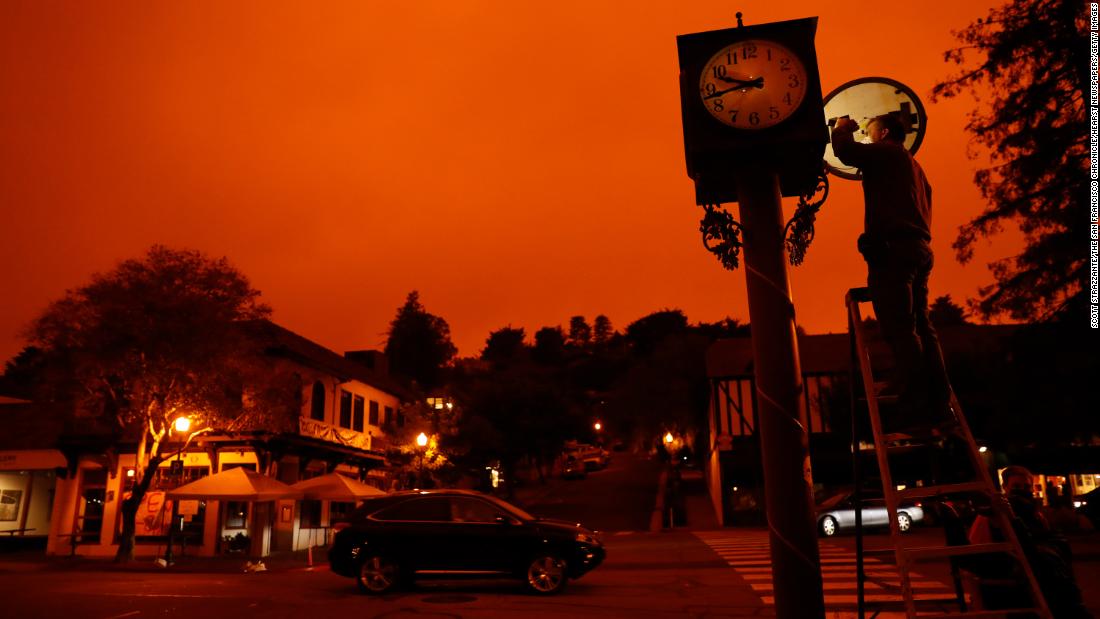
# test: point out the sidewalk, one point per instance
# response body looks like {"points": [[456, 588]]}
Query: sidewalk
{"points": [[697, 503], [30, 561]]}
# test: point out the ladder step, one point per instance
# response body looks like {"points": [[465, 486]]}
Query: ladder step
{"points": [[860, 295], [933, 491], [991, 614], [934, 552]]}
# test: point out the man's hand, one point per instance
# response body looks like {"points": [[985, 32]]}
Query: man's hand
{"points": [[846, 124]]}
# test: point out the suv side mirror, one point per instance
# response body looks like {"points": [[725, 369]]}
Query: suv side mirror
{"points": [[503, 520]]}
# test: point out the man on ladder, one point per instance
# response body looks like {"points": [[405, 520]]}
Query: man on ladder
{"points": [[895, 243]]}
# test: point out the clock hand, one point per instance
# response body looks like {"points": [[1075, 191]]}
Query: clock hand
{"points": [[753, 83], [740, 85]]}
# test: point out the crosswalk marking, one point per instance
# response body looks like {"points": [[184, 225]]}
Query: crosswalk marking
{"points": [[748, 554]]}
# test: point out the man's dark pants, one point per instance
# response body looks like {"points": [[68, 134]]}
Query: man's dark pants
{"points": [[897, 276]]}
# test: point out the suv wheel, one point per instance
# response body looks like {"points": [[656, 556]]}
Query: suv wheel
{"points": [[904, 522], [546, 574], [377, 575], [828, 526]]}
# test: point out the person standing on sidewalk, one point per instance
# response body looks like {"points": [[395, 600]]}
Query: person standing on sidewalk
{"points": [[896, 246]]}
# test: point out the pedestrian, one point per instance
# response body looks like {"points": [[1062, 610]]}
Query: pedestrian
{"points": [[1047, 551], [896, 244]]}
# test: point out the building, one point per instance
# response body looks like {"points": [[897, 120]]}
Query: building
{"points": [[733, 468], [68, 485]]}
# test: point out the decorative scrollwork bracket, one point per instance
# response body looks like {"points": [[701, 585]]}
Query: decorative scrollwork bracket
{"points": [[721, 235], [800, 229]]}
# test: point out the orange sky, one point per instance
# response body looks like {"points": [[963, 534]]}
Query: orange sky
{"points": [[517, 163]]}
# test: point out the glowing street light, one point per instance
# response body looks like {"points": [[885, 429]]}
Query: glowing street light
{"points": [[422, 442], [669, 438], [598, 426], [182, 423]]}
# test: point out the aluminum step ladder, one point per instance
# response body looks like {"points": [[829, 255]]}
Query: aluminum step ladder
{"points": [[981, 485]]}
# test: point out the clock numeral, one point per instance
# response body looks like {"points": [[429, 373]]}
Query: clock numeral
{"points": [[786, 98], [710, 89], [773, 112], [719, 70], [731, 58], [793, 81], [718, 107], [784, 64], [748, 51], [769, 55], [754, 118], [733, 116]]}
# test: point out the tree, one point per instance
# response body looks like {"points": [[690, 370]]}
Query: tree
{"points": [[580, 334], [155, 339], [20, 373], [419, 344], [549, 345], [945, 312], [725, 328], [601, 329], [647, 332], [504, 345], [1033, 65]]}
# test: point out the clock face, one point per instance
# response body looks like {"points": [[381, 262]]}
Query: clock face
{"points": [[753, 84]]}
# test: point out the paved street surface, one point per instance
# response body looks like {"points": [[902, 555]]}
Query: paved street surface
{"points": [[618, 498], [747, 553], [699, 573]]}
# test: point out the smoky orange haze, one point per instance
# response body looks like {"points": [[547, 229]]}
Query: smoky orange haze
{"points": [[517, 163]]}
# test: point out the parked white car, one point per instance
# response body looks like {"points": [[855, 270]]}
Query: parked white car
{"points": [[837, 514]]}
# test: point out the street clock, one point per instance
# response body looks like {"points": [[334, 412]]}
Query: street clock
{"points": [[751, 95], [866, 98]]}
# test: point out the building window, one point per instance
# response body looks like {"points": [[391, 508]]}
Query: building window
{"points": [[358, 427], [10, 502], [89, 519], [310, 515], [387, 418], [400, 419], [373, 413], [236, 514], [345, 409], [317, 402], [340, 511]]}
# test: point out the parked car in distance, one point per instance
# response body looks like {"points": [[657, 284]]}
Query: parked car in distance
{"points": [[404, 536], [837, 513], [594, 458], [573, 468]]}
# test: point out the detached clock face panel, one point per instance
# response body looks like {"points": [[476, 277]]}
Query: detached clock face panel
{"points": [[753, 84]]}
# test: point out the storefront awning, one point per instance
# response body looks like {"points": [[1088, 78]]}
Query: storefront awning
{"points": [[31, 460], [238, 484]]}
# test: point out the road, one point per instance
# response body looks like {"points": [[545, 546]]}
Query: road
{"points": [[618, 498], [697, 574]]}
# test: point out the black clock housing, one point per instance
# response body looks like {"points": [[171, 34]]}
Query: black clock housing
{"points": [[794, 147]]}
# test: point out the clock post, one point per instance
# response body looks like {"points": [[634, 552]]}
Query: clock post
{"points": [[754, 131]]}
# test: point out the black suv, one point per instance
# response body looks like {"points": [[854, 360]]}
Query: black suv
{"points": [[456, 533]]}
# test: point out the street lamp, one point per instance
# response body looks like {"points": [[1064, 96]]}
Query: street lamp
{"points": [[422, 442], [598, 426], [669, 438], [182, 425]]}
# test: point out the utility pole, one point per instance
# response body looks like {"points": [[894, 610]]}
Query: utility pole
{"points": [[784, 444]]}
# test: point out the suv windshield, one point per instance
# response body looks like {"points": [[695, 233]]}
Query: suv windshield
{"points": [[511, 509]]}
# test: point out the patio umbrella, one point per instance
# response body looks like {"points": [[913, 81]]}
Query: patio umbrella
{"points": [[336, 487], [239, 484]]}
